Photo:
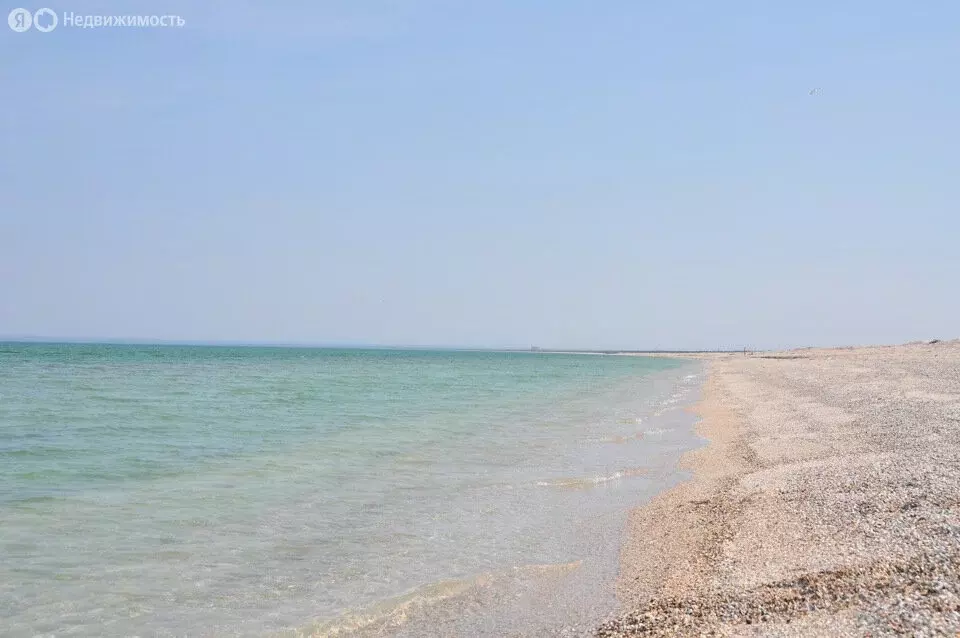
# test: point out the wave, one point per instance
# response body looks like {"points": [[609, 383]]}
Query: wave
{"points": [[658, 431], [394, 613], [593, 481], [624, 439]]}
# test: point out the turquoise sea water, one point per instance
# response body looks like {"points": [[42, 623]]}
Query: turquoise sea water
{"points": [[168, 490]]}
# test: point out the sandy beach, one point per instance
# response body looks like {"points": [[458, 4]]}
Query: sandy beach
{"points": [[827, 502]]}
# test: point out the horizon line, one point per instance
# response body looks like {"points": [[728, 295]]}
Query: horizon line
{"points": [[334, 345]]}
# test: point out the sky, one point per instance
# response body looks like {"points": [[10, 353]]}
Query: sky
{"points": [[613, 174]]}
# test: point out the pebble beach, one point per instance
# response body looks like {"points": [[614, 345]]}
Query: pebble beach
{"points": [[825, 503]]}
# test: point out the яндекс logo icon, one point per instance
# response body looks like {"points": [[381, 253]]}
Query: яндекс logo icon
{"points": [[20, 20]]}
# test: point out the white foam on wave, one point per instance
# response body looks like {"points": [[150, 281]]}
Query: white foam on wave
{"points": [[590, 481], [658, 431]]}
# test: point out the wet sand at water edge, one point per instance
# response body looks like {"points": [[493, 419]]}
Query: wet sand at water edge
{"points": [[827, 502]]}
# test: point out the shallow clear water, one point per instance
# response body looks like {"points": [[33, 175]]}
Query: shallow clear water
{"points": [[169, 490]]}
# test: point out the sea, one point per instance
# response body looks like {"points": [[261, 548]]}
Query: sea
{"points": [[162, 490]]}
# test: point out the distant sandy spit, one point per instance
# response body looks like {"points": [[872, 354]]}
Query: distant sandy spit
{"points": [[827, 502]]}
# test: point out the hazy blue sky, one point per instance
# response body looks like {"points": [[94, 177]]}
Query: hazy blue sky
{"points": [[499, 173]]}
